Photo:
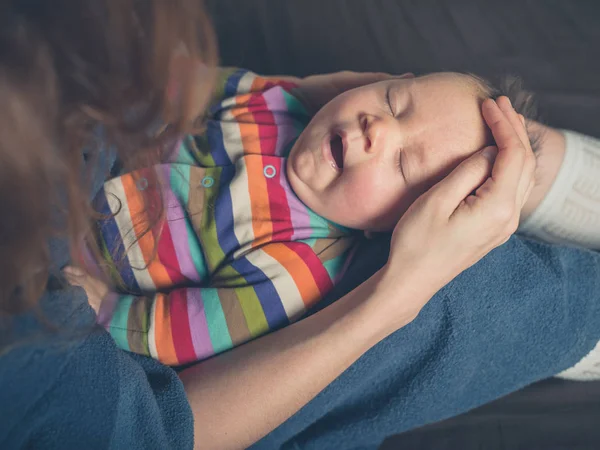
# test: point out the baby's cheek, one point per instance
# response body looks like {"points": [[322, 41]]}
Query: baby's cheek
{"points": [[386, 199], [365, 200], [360, 194], [358, 187]]}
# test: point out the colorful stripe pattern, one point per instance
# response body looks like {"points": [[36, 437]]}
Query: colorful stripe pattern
{"points": [[238, 254]]}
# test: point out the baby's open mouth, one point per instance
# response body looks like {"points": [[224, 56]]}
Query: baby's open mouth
{"points": [[337, 150]]}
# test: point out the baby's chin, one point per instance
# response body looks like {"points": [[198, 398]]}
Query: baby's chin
{"points": [[383, 224], [348, 221]]}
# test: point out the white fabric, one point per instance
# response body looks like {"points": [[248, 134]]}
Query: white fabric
{"points": [[570, 212], [588, 369]]}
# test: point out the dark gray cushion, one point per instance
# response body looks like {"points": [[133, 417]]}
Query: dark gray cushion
{"points": [[553, 44]]}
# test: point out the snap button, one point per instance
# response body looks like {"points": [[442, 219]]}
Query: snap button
{"points": [[208, 181], [142, 184], [269, 171]]}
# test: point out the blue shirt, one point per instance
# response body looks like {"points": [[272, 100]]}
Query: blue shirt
{"points": [[73, 388]]}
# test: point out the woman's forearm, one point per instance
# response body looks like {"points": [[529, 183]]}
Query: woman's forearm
{"points": [[240, 396]]}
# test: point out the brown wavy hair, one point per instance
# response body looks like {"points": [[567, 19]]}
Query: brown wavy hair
{"points": [[66, 68]]}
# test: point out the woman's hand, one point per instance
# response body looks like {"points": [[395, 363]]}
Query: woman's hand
{"points": [[96, 290], [316, 91], [448, 228]]}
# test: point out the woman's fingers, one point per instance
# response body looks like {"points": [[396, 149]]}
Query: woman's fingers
{"points": [[513, 169], [463, 180], [516, 120], [96, 290], [347, 80], [502, 130], [518, 123]]}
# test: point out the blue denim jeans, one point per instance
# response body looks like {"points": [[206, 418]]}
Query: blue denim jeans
{"points": [[524, 313]]}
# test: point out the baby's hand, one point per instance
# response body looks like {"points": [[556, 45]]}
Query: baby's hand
{"points": [[95, 289]]}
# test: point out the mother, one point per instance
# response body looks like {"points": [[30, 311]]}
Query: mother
{"points": [[78, 80]]}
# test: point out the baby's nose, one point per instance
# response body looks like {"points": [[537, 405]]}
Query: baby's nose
{"points": [[374, 135]]}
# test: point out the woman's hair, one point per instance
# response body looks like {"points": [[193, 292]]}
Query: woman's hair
{"points": [[67, 69]]}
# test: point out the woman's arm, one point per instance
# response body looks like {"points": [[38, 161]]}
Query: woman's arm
{"points": [[315, 91], [242, 395]]}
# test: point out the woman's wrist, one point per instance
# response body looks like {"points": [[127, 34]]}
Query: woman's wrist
{"points": [[396, 298], [372, 311]]}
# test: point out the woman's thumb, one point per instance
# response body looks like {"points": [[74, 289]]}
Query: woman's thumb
{"points": [[466, 178], [74, 275]]}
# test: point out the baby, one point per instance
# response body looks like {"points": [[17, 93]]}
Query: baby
{"points": [[262, 210], [370, 152]]}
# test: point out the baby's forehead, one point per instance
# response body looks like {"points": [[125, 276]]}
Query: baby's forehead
{"points": [[466, 81], [447, 98], [447, 124]]}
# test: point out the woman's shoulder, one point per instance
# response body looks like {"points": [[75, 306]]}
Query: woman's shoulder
{"points": [[39, 358], [71, 385]]}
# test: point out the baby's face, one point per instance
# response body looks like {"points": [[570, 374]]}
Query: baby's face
{"points": [[370, 152]]}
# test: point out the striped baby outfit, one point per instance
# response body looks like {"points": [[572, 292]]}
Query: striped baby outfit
{"points": [[238, 254]]}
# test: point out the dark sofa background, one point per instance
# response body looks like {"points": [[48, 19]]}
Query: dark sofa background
{"points": [[553, 45]]}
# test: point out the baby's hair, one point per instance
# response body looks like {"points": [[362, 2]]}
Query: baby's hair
{"points": [[523, 101]]}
